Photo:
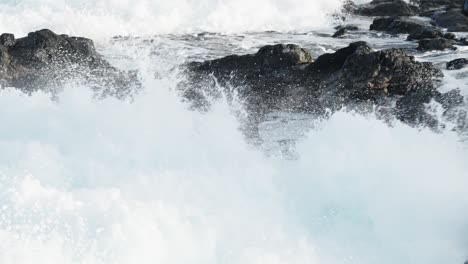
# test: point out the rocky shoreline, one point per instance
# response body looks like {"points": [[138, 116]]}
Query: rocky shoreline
{"points": [[44, 60], [287, 78], [282, 77]]}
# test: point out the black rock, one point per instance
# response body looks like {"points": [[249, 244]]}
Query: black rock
{"points": [[340, 33], [465, 7], [351, 76], [44, 59], [386, 8], [342, 30], [429, 7], [347, 27], [283, 55], [387, 72], [454, 20], [436, 44], [430, 33], [457, 64], [399, 25], [450, 35], [331, 62]]}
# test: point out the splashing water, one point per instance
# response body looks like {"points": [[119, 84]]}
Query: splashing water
{"points": [[107, 18], [148, 181]]}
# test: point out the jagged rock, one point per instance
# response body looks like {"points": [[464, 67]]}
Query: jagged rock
{"points": [[388, 72], [386, 8], [351, 76], [436, 44], [454, 20], [44, 59], [457, 64]]}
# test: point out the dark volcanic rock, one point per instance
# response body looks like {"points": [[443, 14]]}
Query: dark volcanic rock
{"points": [[399, 25], [457, 64], [429, 33], [44, 59], [351, 76], [465, 7], [386, 8], [388, 72], [429, 7], [436, 44], [450, 35], [454, 20], [342, 30], [332, 62]]}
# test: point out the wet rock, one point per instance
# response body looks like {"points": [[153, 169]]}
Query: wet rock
{"points": [[465, 7], [399, 25], [436, 44], [387, 72], [412, 108], [354, 75], [43, 60], [457, 64], [283, 55], [386, 8], [454, 20], [347, 27], [450, 35], [430, 33], [342, 30], [429, 7]]}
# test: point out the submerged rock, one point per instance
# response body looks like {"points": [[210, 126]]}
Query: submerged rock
{"points": [[430, 6], [386, 8], [352, 76], [436, 44], [44, 59], [429, 33], [457, 64], [454, 20], [342, 30]]}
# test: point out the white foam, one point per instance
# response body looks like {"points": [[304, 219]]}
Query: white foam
{"points": [[105, 18], [86, 181]]}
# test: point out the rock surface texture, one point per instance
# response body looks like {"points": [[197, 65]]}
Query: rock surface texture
{"points": [[275, 78], [44, 59]]}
